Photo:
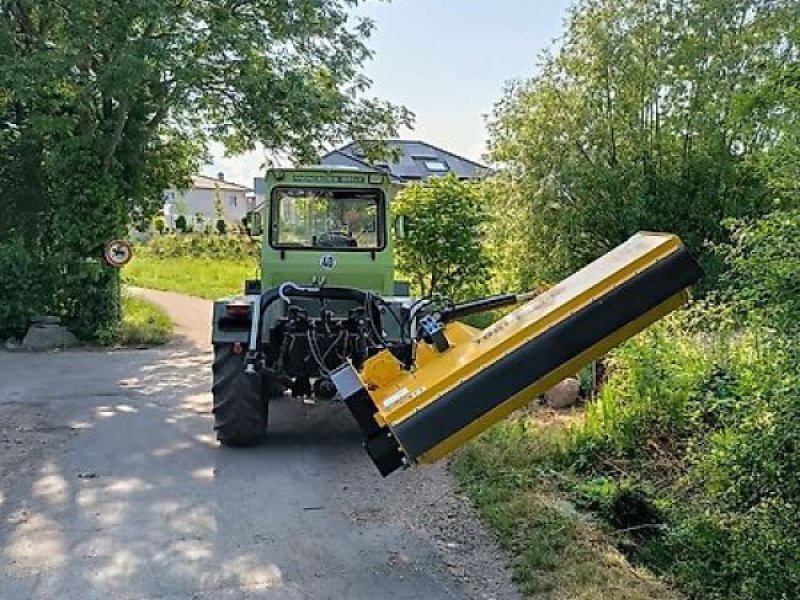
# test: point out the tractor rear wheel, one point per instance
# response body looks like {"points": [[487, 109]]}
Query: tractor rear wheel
{"points": [[240, 404]]}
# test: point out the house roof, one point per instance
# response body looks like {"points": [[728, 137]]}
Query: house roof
{"points": [[415, 160], [201, 182]]}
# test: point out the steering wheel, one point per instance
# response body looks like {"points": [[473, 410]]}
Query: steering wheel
{"points": [[336, 239]]}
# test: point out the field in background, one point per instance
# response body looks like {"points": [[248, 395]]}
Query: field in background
{"points": [[202, 277]]}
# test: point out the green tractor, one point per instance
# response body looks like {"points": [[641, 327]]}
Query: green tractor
{"points": [[327, 320], [326, 295]]}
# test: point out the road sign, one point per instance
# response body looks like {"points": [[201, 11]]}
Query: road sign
{"points": [[118, 253]]}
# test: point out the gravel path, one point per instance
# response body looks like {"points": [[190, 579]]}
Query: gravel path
{"points": [[112, 486]]}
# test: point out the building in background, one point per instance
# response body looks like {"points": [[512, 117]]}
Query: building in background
{"points": [[198, 199], [410, 161]]}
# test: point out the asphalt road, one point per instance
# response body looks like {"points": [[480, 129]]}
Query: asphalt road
{"points": [[112, 486]]}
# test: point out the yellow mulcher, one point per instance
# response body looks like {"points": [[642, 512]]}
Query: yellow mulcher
{"points": [[457, 381]]}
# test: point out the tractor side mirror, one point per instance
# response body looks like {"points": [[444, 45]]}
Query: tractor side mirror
{"points": [[253, 223], [400, 227]]}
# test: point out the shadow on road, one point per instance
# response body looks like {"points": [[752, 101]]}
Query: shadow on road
{"points": [[129, 495]]}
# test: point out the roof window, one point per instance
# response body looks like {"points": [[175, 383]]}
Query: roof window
{"points": [[436, 166]]}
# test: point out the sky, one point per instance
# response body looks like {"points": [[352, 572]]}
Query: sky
{"points": [[445, 60]]}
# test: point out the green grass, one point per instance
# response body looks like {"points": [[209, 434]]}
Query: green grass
{"points": [[517, 478], [143, 324], [202, 277]]}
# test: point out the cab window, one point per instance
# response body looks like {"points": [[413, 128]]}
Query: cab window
{"points": [[320, 218]]}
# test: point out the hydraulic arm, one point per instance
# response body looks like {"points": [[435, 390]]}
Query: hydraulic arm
{"points": [[462, 380]]}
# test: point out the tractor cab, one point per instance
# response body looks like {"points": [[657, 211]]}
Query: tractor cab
{"points": [[329, 226]]}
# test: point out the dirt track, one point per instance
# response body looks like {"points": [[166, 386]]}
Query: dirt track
{"points": [[112, 486]]}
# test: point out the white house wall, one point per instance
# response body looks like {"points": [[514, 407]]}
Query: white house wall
{"points": [[234, 204]]}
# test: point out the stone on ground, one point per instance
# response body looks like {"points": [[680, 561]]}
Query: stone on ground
{"points": [[44, 337], [563, 394]]}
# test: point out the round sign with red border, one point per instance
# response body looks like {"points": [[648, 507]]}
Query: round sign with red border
{"points": [[118, 253]]}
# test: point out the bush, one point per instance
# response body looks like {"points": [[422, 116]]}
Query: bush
{"points": [[84, 293], [763, 278], [222, 226], [706, 407], [181, 224], [223, 247], [159, 224], [25, 286], [713, 422], [654, 388], [443, 251], [87, 296]]}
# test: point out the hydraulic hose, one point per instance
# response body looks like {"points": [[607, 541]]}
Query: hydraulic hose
{"points": [[292, 290]]}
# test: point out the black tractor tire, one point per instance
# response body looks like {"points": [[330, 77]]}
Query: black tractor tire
{"points": [[240, 404]]}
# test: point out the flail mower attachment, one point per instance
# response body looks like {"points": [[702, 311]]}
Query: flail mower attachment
{"points": [[464, 380]]}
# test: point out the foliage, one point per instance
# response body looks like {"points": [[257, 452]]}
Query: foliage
{"points": [[222, 226], [36, 281], [181, 224], [105, 105], [707, 408], [662, 369], [202, 277], [222, 247], [509, 472], [714, 426], [762, 281], [635, 123], [159, 224], [507, 239], [688, 455], [773, 111], [143, 324], [25, 280], [442, 251], [219, 211]]}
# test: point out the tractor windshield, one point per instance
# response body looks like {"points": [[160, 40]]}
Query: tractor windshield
{"points": [[327, 218]]}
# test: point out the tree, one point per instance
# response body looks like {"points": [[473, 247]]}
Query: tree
{"points": [[182, 209], [773, 109], [106, 104], [181, 224], [443, 250], [160, 224], [219, 210], [632, 124], [507, 234]]}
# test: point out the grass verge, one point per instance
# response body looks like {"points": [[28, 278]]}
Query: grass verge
{"points": [[202, 277], [143, 324], [517, 478]]}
